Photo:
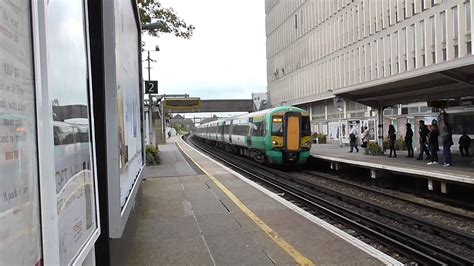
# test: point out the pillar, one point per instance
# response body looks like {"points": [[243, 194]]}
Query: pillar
{"points": [[380, 127]]}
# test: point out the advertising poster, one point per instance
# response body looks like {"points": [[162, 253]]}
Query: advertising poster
{"points": [[20, 231], [69, 90], [128, 98]]}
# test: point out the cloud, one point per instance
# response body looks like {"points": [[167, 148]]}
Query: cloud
{"points": [[224, 59]]}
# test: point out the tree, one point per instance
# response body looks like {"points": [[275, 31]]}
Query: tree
{"points": [[152, 11]]}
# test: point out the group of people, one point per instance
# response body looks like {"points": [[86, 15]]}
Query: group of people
{"points": [[428, 139]]}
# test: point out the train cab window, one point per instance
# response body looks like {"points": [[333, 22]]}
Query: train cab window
{"points": [[277, 126], [258, 129], [305, 126]]}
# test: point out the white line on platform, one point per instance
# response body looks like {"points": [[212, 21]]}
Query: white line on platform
{"points": [[454, 177], [384, 258]]}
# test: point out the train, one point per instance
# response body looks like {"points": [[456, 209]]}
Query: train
{"points": [[277, 136]]}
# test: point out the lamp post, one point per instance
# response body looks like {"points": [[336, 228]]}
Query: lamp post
{"points": [[151, 26], [150, 96]]}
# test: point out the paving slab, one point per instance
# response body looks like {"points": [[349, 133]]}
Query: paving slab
{"points": [[172, 163], [243, 249]]}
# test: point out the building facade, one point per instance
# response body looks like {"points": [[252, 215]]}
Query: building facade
{"points": [[317, 49]]}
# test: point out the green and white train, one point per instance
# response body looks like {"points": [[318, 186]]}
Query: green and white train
{"points": [[279, 136]]}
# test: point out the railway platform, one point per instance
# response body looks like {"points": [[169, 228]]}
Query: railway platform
{"points": [[194, 211], [460, 173]]}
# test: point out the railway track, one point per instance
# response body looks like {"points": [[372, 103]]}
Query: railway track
{"points": [[388, 195], [310, 196]]}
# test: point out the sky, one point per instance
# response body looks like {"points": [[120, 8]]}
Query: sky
{"points": [[224, 59]]}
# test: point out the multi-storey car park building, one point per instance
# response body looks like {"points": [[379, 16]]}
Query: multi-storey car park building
{"points": [[398, 58]]}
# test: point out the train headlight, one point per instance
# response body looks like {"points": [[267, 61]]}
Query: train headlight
{"points": [[274, 142], [306, 143]]}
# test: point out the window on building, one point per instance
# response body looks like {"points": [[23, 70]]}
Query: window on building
{"points": [[467, 6], [455, 22], [443, 28], [423, 38]]}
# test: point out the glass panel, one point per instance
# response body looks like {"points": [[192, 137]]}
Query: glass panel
{"points": [[277, 126], [20, 232], [69, 92], [305, 126], [128, 98]]}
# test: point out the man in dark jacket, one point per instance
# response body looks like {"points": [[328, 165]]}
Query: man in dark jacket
{"points": [[409, 140], [464, 144], [433, 142], [423, 132], [447, 138]]}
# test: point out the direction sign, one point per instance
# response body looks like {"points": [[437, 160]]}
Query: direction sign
{"points": [[151, 86]]}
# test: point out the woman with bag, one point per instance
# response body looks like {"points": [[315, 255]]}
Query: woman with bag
{"points": [[447, 143], [391, 140], [433, 142], [409, 140]]}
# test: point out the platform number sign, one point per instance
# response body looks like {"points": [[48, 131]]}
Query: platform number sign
{"points": [[151, 86]]}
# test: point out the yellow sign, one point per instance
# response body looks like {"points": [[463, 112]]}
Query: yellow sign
{"points": [[182, 103]]}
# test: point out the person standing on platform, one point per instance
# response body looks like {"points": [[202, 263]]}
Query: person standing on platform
{"points": [[365, 137], [447, 139], [423, 133], [409, 140], [391, 140], [353, 139], [433, 142], [464, 144]]}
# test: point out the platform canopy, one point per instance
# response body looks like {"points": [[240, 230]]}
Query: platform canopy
{"points": [[450, 80]]}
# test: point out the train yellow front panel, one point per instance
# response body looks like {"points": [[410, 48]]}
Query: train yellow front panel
{"points": [[293, 134]]}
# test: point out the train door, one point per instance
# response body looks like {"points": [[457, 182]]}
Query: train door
{"points": [[292, 134]]}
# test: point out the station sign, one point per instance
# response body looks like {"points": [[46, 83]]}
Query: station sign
{"points": [[151, 86]]}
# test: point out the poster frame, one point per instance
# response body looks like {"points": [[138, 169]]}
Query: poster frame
{"points": [[118, 215], [48, 201]]}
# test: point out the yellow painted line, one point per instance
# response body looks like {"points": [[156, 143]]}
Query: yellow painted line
{"points": [[287, 247]]}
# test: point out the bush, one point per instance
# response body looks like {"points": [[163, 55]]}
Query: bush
{"points": [[373, 149], [321, 138], [152, 155], [386, 145], [400, 145]]}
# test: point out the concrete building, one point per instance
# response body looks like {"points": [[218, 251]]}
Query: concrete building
{"points": [[259, 100], [378, 56]]}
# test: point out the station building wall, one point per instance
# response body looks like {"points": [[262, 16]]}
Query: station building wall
{"points": [[315, 47]]}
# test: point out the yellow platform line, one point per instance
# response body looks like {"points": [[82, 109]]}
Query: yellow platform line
{"points": [[287, 247]]}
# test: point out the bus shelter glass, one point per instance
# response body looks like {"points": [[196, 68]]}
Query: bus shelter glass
{"points": [[20, 230], [73, 153]]}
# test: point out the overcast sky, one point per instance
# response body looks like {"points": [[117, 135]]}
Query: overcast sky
{"points": [[225, 58]]}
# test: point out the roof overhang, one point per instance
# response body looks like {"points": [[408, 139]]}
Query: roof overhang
{"points": [[448, 80]]}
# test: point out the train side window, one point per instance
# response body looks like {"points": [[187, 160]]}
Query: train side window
{"points": [[258, 129]]}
